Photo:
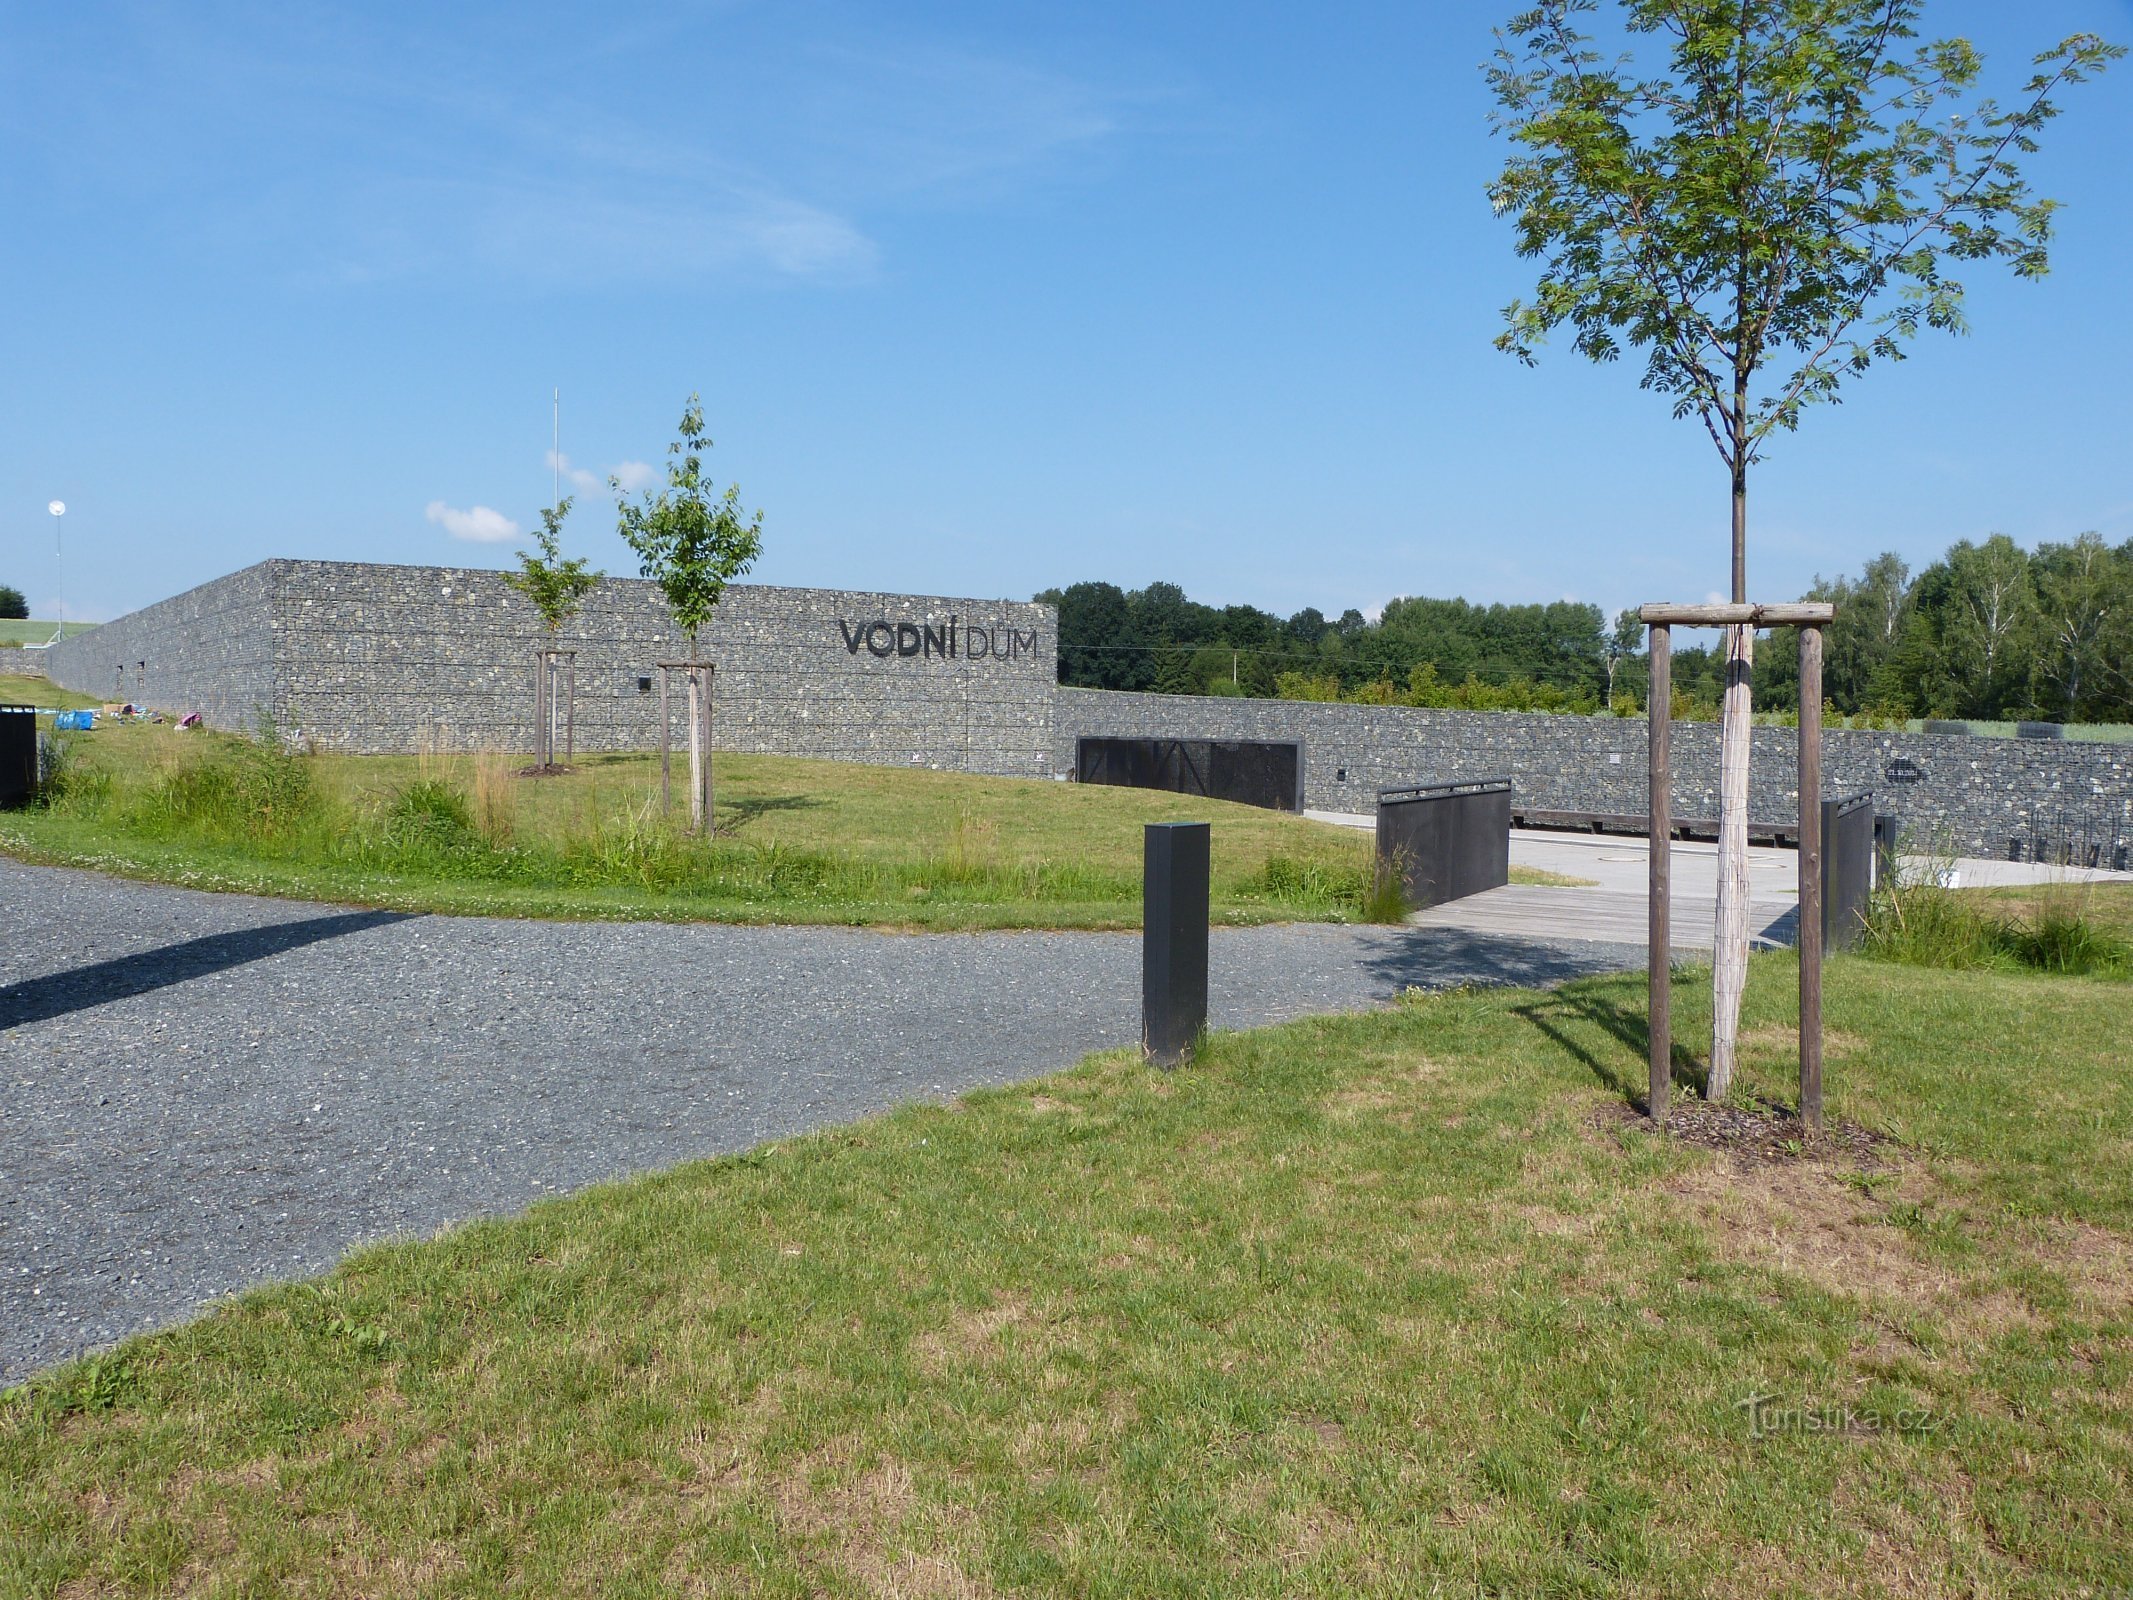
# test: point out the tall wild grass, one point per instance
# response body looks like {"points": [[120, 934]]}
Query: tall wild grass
{"points": [[1925, 925], [459, 821]]}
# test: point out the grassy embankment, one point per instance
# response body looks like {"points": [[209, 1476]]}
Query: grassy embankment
{"points": [[15, 631], [801, 841], [1393, 1304]]}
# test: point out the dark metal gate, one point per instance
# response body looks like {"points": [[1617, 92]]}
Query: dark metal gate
{"points": [[1252, 773], [1847, 869], [1446, 840]]}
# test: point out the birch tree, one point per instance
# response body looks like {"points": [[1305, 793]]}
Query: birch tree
{"points": [[1762, 199]]}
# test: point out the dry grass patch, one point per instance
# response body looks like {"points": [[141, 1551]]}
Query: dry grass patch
{"points": [[1804, 1219], [884, 1534]]}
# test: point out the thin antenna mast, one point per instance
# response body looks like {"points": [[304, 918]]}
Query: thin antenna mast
{"points": [[555, 451]]}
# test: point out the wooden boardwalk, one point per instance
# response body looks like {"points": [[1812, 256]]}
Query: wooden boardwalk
{"points": [[1600, 916]]}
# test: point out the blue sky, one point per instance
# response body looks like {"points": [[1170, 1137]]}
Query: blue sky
{"points": [[979, 299]]}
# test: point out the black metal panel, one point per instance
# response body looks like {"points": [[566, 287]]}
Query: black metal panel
{"points": [[1446, 840], [1251, 773], [1174, 881], [1257, 774], [18, 754], [1847, 869], [1887, 827]]}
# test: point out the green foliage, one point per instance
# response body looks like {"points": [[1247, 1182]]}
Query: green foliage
{"points": [[433, 812], [2061, 939], [243, 814], [13, 606], [555, 586], [67, 780], [1385, 896], [1987, 633], [1157, 639], [1424, 689], [1923, 925], [227, 787], [689, 540], [1793, 184]]}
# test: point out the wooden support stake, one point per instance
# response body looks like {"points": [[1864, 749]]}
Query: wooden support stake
{"points": [[537, 710], [1811, 879], [570, 710], [702, 741], [1659, 951], [696, 748], [666, 742]]}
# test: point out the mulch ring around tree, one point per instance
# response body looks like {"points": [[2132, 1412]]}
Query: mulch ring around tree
{"points": [[553, 769], [1761, 1131]]}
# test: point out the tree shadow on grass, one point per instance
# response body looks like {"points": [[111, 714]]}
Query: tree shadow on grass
{"points": [[1559, 1016], [736, 814]]}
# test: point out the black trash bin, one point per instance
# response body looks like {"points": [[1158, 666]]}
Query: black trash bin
{"points": [[18, 754]]}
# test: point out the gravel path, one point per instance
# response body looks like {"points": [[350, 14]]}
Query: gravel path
{"points": [[200, 1091]]}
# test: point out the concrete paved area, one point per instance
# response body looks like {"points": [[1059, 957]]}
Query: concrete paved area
{"points": [[198, 1092], [1614, 908]]}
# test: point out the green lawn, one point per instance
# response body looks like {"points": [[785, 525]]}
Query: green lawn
{"points": [[17, 690], [800, 841], [15, 631], [1394, 1304]]}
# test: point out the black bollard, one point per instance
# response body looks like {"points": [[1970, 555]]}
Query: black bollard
{"points": [[1173, 939]]}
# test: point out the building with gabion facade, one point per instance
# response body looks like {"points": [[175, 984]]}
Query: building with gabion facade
{"points": [[376, 659]]}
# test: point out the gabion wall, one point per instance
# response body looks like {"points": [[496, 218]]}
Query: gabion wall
{"points": [[1964, 794], [378, 659]]}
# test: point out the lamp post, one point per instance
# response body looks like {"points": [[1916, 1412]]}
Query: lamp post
{"points": [[58, 508]]}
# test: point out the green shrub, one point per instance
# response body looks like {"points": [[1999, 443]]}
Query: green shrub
{"points": [[433, 812], [1928, 926], [229, 787], [67, 783], [2063, 940], [1311, 883], [1385, 896]]}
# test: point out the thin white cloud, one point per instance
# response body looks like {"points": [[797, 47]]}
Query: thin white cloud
{"points": [[478, 523], [577, 477], [631, 475], [439, 165]]}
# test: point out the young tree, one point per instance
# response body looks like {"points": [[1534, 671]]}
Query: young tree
{"points": [[1772, 210], [692, 542], [556, 587]]}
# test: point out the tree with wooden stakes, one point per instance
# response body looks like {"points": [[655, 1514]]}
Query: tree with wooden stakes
{"points": [[556, 587], [692, 542], [1769, 209]]}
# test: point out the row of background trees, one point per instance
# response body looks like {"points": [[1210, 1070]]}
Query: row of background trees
{"points": [[1989, 631]]}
